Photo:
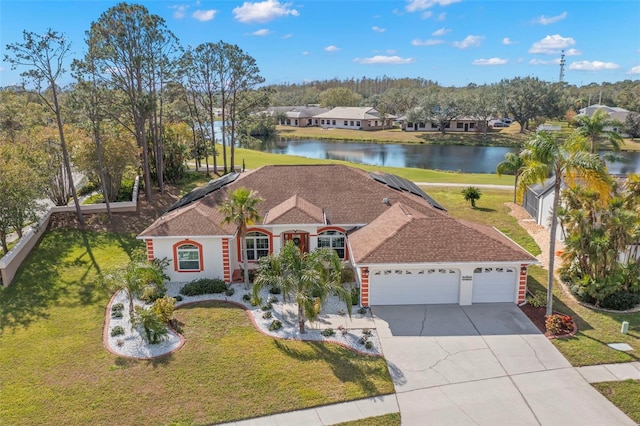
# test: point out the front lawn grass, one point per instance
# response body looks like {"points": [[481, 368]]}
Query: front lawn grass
{"points": [[55, 369], [623, 395], [490, 210], [595, 328], [392, 419]]}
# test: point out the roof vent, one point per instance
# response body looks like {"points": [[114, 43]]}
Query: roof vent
{"points": [[386, 201]]}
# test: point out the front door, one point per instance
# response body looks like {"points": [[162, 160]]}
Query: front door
{"points": [[300, 239]]}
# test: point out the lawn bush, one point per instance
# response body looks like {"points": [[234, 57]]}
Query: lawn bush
{"points": [[368, 344], [117, 331], [117, 307], [275, 290], [362, 310], [538, 300], [230, 291], [275, 325], [557, 323], [328, 332], [267, 306], [355, 296], [267, 315], [620, 301], [246, 297], [164, 308], [204, 286]]}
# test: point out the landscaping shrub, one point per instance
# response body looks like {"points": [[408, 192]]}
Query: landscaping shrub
{"points": [[363, 340], [328, 332], [368, 344], [164, 308], [275, 325], [342, 330], [117, 307], [230, 291], [275, 290], [272, 299], [153, 292], [154, 328], [620, 301], [267, 315], [557, 323], [367, 332], [178, 298], [267, 306], [362, 310], [117, 314], [538, 300], [348, 275], [355, 296], [204, 286], [246, 297], [117, 331]]}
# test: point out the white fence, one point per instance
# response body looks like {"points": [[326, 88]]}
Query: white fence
{"points": [[11, 261]]}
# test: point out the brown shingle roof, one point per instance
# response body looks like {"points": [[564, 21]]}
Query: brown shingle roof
{"points": [[404, 235], [295, 210]]}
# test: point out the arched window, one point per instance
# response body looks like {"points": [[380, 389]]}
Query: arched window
{"points": [[256, 245], [188, 257], [334, 240]]}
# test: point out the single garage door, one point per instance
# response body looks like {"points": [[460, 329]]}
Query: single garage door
{"points": [[494, 285], [413, 287]]}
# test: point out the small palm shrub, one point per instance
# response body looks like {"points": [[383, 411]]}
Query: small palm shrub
{"points": [[154, 328], [204, 286], [538, 300], [471, 194], [267, 315]]}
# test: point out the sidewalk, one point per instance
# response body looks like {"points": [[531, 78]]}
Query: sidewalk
{"points": [[610, 372], [329, 414]]}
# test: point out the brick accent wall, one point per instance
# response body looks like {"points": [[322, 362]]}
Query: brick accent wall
{"points": [[522, 286], [364, 287], [150, 255], [226, 260]]}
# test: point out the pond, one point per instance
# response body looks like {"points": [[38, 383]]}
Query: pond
{"points": [[466, 159]]}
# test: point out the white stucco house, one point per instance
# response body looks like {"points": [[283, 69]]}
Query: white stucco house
{"points": [[404, 247], [354, 118]]}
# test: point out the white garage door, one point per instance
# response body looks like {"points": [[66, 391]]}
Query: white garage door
{"points": [[494, 285], [413, 287]]}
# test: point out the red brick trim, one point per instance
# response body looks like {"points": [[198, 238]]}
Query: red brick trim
{"points": [[225, 260], [522, 283], [150, 254], [364, 287]]}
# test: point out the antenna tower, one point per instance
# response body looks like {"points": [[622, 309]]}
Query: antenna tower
{"points": [[562, 62]]}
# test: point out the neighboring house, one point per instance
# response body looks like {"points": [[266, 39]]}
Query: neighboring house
{"points": [[404, 247], [296, 116], [355, 118], [615, 113], [460, 124], [538, 202]]}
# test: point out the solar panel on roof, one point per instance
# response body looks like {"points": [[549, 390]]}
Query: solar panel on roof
{"points": [[401, 184], [205, 190]]}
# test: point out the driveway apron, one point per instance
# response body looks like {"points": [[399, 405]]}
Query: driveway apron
{"points": [[483, 364]]}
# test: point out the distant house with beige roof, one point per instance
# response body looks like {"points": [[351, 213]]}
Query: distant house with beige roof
{"points": [[296, 116], [404, 247], [355, 118]]}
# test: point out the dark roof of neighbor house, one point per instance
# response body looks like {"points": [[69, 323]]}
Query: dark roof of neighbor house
{"points": [[404, 235], [541, 189], [393, 223]]}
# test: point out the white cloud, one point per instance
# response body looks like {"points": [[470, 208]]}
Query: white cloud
{"points": [[2, 69], [440, 32], [378, 29], [552, 44], [634, 70], [179, 10], [332, 48], [204, 15], [536, 61], [469, 41], [593, 66], [546, 20], [442, 16], [380, 59], [431, 42], [305, 53], [427, 14], [492, 61], [286, 36], [264, 11], [391, 51], [416, 5], [261, 33], [572, 52], [508, 41]]}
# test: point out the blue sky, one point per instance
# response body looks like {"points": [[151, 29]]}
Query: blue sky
{"points": [[453, 42]]}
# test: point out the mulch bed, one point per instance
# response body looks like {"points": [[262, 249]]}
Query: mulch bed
{"points": [[537, 317]]}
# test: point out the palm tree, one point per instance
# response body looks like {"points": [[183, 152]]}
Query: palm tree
{"points": [[241, 210], [511, 165], [568, 160], [306, 278], [471, 194], [594, 128]]}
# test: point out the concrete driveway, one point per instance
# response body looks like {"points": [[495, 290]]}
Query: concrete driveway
{"points": [[483, 364]]}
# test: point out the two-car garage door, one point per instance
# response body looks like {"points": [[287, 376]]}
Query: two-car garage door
{"points": [[412, 287], [440, 286]]}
